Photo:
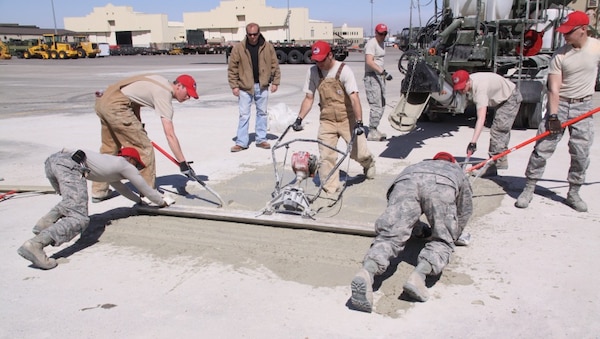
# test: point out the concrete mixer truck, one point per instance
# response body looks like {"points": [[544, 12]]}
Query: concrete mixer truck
{"points": [[515, 39]]}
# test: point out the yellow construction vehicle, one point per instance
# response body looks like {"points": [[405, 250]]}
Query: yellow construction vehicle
{"points": [[58, 48], [4, 52], [84, 47], [39, 51]]}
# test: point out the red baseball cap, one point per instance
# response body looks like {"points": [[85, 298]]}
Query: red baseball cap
{"points": [[320, 50], [189, 83], [381, 28], [132, 153], [459, 79], [444, 156], [574, 19]]}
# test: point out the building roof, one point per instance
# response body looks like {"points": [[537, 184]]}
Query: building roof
{"points": [[16, 29]]}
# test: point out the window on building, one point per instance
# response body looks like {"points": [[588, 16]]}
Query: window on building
{"points": [[111, 22], [241, 18]]}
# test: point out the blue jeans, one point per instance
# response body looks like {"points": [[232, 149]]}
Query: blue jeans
{"points": [[245, 101]]}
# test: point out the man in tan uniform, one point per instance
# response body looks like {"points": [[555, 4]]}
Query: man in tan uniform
{"points": [[340, 113], [487, 89], [119, 111]]}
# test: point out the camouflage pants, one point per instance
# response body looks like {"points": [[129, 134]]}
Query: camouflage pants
{"points": [[503, 121], [410, 197], [580, 143], [70, 216], [375, 90]]}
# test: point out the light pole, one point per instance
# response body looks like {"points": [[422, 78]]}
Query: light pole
{"points": [[54, 17], [371, 18], [287, 21]]}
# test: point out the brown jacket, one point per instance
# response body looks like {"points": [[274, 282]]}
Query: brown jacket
{"points": [[239, 71]]}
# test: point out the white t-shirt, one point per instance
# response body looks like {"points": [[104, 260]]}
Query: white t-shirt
{"points": [[346, 77], [578, 68], [377, 50]]}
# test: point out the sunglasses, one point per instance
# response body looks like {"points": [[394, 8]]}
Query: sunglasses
{"points": [[382, 33], [252, 34], [573, 30]]}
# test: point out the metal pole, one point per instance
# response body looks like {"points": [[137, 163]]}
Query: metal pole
{"points": [[288, 22], [371, 18], [54, 17]]}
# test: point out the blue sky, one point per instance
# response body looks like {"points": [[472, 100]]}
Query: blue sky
{"points": [[394, 13]]}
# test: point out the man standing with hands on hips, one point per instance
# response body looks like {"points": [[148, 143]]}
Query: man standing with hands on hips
{"points": [[571, 81], [375, 78]]}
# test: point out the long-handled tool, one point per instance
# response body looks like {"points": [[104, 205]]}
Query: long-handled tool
{"points": [[536, 138], [170, 157]]}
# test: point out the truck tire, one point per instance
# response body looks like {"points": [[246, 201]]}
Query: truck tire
{"points": [[295, 57], [307, 55], [26, 55], [81, 53], [62, 55], [281, 56], [533, 107], [53, 55]]}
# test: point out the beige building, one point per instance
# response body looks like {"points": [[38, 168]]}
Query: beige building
{"points": [[121, 25], [355, 35]]}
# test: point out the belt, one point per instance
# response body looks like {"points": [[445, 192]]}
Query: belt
{"points": [[573, 101]]}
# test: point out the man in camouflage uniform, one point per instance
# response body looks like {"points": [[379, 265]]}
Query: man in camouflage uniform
{"points": [[439, 189], [571, 80], [67, 171]]}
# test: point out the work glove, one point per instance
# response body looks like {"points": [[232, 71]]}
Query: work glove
{"points": [[554, 124], [359, 128], [297, 125], [471, 148], [187, 170], [386, 75], [168, 200]]}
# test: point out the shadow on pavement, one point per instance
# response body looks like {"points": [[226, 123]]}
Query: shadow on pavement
{"points": [[95, 229]]}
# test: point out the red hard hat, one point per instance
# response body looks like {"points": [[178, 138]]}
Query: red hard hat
{"points": [[132, 153]]}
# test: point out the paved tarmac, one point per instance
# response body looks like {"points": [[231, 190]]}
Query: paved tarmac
{"points": [[526, 273]]}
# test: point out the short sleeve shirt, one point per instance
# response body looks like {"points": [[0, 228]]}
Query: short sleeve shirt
{"points": [[377, 50], [490, 89], [150, 94], [346, 77], [578, 68]]}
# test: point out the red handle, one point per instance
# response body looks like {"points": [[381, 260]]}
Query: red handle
{"points": [[536, 138], [165, 153]]}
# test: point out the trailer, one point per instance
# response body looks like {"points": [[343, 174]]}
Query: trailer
{"points": [[295, 53]]}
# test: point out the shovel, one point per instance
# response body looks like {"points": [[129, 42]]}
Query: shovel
{"points": [[170, 157]]}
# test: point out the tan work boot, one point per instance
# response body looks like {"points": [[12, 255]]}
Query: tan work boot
{"points": [[415, 285], [502, 163], [375, 135], [574, 200], [369, 172], [33, 250], [362, 291], [525, 197]]}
